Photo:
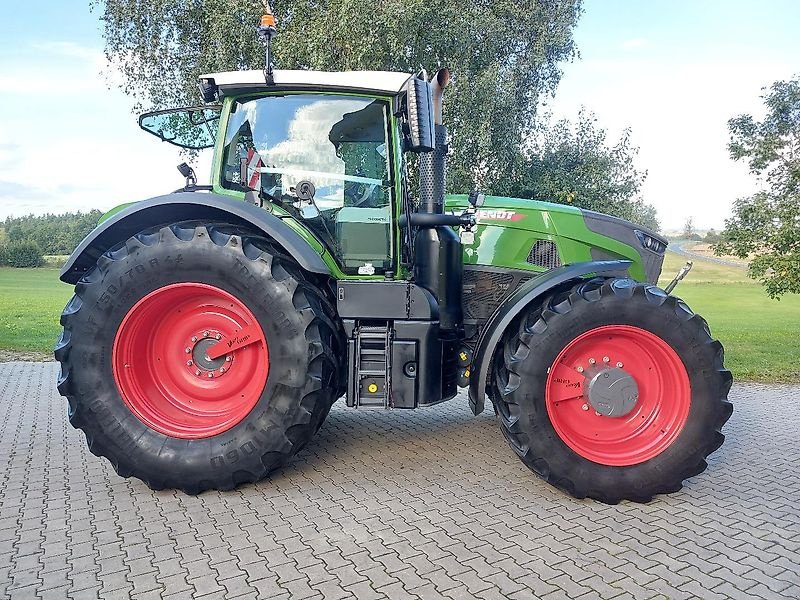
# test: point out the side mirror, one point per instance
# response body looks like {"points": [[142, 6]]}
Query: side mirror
{"points": [[420, 115], [188, 174], [191, 128], [476, 199]]}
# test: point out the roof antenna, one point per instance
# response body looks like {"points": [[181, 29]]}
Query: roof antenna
{"points": [[266, 31]]}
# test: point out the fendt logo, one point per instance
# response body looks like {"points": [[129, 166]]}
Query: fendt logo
{"points": [[498, 215]]}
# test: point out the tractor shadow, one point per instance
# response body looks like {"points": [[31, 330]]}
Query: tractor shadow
{"points": [[407, 434], [412, 447]]}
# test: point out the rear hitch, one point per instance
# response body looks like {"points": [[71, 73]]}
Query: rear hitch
{"points": [[679, 277]]}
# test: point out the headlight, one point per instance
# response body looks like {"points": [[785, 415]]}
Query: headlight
{"points": [[650, 242]]}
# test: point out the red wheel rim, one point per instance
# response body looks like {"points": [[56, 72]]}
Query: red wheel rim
{"points": [[162, 369], [654, 422]]}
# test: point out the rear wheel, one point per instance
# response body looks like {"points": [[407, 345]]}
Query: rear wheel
{"points": [[612, 390], [198, 357]]}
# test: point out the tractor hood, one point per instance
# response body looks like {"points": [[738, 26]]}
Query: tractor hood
{"points": [[538, 236]]}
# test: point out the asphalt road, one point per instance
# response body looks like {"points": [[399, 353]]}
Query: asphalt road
{"points": [[422, 504], [677, 248]]}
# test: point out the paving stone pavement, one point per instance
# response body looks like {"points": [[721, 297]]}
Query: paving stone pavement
{"points": [[420, 504]]}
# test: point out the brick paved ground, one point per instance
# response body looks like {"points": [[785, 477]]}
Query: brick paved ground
{"points": [[423, 504]]}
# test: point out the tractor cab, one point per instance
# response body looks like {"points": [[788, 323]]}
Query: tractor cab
{"points": [[324, 149]]}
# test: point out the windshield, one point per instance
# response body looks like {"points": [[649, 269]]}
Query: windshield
{"points": [[339, 144], [336, 142]]}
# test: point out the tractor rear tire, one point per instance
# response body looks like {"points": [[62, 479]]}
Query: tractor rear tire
{"points": [[666, 423], [137, 374]]}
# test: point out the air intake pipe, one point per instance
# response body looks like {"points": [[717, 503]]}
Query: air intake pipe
{"points": [[439, 262]]}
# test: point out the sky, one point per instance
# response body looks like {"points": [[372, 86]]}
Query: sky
{"points": [[673, 71]]}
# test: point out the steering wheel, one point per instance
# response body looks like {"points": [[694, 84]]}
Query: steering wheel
{"points": [[361, 194]]}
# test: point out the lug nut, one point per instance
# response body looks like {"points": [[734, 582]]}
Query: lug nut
{"points": [[585, 407], [218, 336], [227, 359], [592, 361], [605, 359], [189, 363], [579, 369], [188, 350], [222, 369], [197, 372], [194, 338], [210, 375], [205, 334], [619, 365]]}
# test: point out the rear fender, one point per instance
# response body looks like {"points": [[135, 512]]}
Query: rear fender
{"points": [[528, 293], [185, 206]]}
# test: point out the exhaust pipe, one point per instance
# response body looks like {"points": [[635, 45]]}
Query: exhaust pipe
{"points": [[438, 83], [438, 255], [432, 165]]}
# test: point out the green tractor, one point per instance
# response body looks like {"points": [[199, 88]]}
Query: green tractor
{"points": [[212, 328]]}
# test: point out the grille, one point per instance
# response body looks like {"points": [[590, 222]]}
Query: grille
{"points": [[544, 253], [483, 291]]}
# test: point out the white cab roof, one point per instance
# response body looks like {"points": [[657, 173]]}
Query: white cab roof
{"points": [[387, 82]]}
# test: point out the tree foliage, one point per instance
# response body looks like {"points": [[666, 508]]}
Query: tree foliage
{"points": [[504, 55], [21, 254], [52, 234], [766, 226], [575, 164]]}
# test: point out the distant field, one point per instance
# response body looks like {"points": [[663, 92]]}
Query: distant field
{"points": [[705, 250], [759, 334]]}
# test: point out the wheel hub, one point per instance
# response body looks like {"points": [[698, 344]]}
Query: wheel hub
{"points": [[612, 392], [200, 364]]}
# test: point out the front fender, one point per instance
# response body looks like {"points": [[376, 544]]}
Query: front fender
{"points": [[184, 206], [513, 305]]}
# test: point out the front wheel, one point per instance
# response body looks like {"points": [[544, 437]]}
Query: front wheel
{"points": [[612, 390]]}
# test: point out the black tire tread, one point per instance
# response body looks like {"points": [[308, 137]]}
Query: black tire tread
{"points": [[520, 341], [323, 333]]}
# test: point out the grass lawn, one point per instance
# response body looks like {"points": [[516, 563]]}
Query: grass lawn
{"points": [[759, 334], [31, 301]]}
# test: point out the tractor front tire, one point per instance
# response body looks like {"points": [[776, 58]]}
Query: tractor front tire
{"points": [[612, 390], [136, 369]]}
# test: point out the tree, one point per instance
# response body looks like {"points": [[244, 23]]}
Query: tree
{"points": [[21, 254], [504, 55], [766, 226], [688, 228], [53, 234], [712, 237], [575, 164]]}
